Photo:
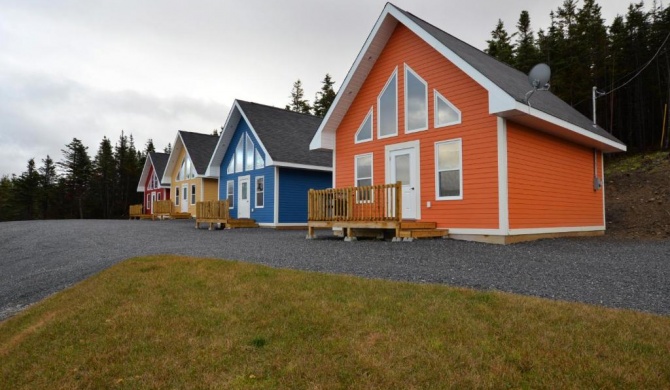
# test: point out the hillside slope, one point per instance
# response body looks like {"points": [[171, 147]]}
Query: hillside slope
{"points": [[637, 196]]}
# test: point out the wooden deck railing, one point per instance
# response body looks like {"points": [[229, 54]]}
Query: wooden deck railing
{"points": [[369, 203], [135, 210], [163, 207], [213, 209]]}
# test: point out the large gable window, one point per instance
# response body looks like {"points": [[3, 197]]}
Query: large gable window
{"points": [[231, 166], [187, 170], [446, 114], [239, 156], [449, 171], [364, 132], [387, 108], [248, 154], [416, 101]]}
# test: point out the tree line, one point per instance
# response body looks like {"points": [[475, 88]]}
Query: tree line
{"points": [[77, 186], [628, 62]]}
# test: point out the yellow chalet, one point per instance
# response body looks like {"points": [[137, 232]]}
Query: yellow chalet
{"points": [[185, 170]]}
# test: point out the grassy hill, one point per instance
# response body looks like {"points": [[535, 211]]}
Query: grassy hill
{"points": [[637, 196]]}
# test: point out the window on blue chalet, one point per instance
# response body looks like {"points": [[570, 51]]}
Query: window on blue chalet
{"points": [[239, 156], [248, 154], [387, 108], [260, 161], [230, 192]]}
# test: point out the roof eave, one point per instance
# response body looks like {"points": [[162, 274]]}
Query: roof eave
{"points": [[145, 173], [541, 121], [169, 167]]}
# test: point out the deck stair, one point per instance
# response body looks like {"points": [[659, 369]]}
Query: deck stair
{"points": [[241, 223], [421, 229]]}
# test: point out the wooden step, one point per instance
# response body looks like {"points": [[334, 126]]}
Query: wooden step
{"points": [[410, 225], [242, 223], [423, 233]]}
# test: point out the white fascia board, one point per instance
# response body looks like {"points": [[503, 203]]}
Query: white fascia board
{"points": [[176, 148], [145, 173], [268, 158], [325, 135], [214, 166], [302, 166], [523, 109]]}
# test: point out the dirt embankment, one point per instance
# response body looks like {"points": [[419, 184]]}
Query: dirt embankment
{"points": [[637, 195]]}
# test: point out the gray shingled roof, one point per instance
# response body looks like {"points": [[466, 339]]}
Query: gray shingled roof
{"points": [[510, 80], [286, 134], [159, 161], [200, 148]]}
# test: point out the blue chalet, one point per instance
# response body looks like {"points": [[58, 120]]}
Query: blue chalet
{"points": [[264, 164]]}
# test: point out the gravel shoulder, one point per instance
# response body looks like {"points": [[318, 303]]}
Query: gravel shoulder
{"points": [[39, 258]]}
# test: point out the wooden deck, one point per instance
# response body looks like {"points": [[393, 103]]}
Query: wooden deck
{"points": [[165, 209], [365, 211], [217, 212]]}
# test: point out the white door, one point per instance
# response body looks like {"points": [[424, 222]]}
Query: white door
{"points": [[243, 198], [403, 169], [184, 199]]}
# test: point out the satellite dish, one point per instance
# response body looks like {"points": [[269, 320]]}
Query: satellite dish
{"points": [[539, 79], [539, 76]]}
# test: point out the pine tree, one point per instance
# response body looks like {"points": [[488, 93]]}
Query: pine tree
{"points": [[168, 148], [7, 203], [76, 166], [104, 179], [48, 180], [149, 147], [298, 103], [526, 54], [26, 195], [325, 97], [499, 46]]}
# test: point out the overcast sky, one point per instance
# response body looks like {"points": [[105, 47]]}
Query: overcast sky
{"points": [[84, 69]]}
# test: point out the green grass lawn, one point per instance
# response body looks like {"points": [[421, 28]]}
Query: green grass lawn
{"points": [[176, 322]]}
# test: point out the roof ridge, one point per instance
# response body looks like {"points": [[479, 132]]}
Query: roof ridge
{"points": [[278, 108]]}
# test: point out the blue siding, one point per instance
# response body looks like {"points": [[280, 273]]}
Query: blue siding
{"points": [[293, 187], [261, 215]]}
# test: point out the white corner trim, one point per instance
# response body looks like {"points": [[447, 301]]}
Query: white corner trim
{"points": [[503, 178], [276, 196]]}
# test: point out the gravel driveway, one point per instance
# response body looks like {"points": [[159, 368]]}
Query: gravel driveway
{"points": [[38, 258]]}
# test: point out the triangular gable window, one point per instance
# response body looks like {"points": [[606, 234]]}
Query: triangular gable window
{"points": [[446, 114], [260, 162], [416, 101], [364, 132], [387, 108], [231, 166]]}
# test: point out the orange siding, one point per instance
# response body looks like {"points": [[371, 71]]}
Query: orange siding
{"points": [[478, 131], [551, 181]]}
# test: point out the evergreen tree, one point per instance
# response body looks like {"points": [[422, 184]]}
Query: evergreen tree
{"points": [[325, 97], [526, 53], [76, 166], [104, 179], [500, 46], [168, 148], [26, 192], [149, 147], [7, 203], [128, 173], [48, 181], [298, 103]]}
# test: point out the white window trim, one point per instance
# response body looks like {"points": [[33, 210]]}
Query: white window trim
{"points": [[240, 144], [438, 95], [437, 172], [259, 161], [229, 194], [256, 192], [193, 194], [425, 84], [372, 119], [379, 122]]}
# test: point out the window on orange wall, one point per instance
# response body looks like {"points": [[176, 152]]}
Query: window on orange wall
{"points": [[364, 132], [416, 101], [448, 169], [446, 114], [363, 177], [387, 108]]}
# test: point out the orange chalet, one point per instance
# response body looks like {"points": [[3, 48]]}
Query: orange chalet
{"points": [[454, 127]]}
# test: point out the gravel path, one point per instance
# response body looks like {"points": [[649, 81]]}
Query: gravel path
{"points": [[38, 258]]}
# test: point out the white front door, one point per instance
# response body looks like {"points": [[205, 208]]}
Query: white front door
{"points": [[403, 168], [184, 199], [243, 198]]}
